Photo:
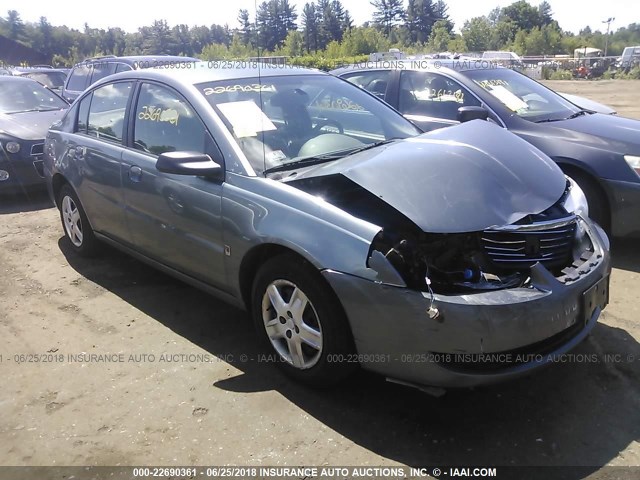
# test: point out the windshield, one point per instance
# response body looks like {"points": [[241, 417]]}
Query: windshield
{"points": [[287, 120], [522, 95], [24, 95]]}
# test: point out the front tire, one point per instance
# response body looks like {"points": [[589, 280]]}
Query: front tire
{"points": [[75, 224], [598, 205], [299, 318]]}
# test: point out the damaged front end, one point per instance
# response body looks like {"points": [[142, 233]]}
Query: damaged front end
{"points": [[495, 258], [501, 259]]}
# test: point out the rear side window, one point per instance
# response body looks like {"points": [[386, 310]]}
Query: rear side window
{"points": [[79, 78], [165, 122], [83, 114], [122, 67], [102, 69], [107, 111]]}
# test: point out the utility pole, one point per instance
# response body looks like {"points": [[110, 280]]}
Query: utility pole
{"points": [[606, 38]]}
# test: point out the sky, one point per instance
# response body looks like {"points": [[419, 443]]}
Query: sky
{"points": [[572, 15]]}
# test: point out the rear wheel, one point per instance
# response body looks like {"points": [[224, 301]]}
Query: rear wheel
{"points": [[75, 223], [299, 318]]}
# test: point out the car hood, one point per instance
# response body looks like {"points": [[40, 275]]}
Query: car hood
{"points": [[458, 179], [29, 125], [588, 104], [611, 132]]}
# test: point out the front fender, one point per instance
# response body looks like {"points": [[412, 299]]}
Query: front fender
{"points": [[258, 211]]}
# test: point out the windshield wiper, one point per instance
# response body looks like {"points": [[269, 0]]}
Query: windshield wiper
{"points": [[579, 114], [574, 115], [327, 157], [43, 109]]}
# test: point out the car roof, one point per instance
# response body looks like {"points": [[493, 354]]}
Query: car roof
{"points": [[203, 72], [16, 78], [26, 71], [131, 59]]}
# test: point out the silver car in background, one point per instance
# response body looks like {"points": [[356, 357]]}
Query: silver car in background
{"points": [[455, 258]]}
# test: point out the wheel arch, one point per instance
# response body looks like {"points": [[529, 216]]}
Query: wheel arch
{"points": [[573, 169], [57, 182], [258, 256]]}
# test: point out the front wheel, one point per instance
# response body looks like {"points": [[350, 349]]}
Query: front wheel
{"points": [[598, 205], [75, 223], [299, 318]]}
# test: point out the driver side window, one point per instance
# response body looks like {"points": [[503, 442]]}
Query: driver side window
{"points": [[375, 82], [432, 95], [164, 122]]}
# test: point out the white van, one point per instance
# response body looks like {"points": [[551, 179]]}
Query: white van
{"points": [[630, 57]]}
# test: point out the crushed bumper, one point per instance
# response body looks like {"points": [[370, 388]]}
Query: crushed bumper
{"points": [[529, 327], [625, 207]]}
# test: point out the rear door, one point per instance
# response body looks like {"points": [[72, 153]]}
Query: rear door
{"points": [[97, 149], [175, 219]]}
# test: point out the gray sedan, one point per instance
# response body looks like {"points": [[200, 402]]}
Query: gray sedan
{"points": [[455, 258]]}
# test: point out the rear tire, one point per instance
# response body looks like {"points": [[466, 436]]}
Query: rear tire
{"points": [[299, 317], [75, 224]]}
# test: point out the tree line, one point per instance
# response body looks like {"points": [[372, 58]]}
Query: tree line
{"points": [[324, 28]]}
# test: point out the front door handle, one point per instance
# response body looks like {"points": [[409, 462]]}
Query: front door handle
{"points": [[135, 174], [81, 151]]}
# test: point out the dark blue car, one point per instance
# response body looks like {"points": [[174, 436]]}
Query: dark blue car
{"points": [[27, 110], [601, 152]]}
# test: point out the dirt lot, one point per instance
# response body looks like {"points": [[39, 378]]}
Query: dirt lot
{"points": [[621, 95], [233, 409]]}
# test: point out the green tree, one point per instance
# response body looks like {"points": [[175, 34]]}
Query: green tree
{"points": [[440, 36], [310, 27], [274, 19], [158, 39], [477, 34], [387, 14], [441, 13], [524, 15], [294, 44], [14, 25], [420, 19], [182, 40]]}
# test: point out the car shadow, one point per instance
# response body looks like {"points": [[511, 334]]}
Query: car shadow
{"points": [[580, 412], [27, 201], [625, 254]]}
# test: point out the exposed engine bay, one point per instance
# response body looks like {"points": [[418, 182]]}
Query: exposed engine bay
{"points": [[492, 259]]}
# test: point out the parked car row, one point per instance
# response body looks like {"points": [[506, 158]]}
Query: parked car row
{"points": [[27, 110], [351, 237]]}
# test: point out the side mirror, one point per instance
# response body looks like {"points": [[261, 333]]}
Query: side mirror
{"points": [[189, 163], [466, 114]]}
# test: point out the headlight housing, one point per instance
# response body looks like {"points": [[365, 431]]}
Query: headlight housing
{"points": [[576, 200], [8, 144], [634, 162], [12, 147]]}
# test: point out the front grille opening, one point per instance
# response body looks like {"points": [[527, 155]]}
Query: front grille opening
{"points": [[39, 166], [516, 248], [37, 149]]}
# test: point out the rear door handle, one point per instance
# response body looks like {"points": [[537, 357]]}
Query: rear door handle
{"points": [[135, 174]]}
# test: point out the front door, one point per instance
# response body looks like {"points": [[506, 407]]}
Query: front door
{"points": [[175, 219]]}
